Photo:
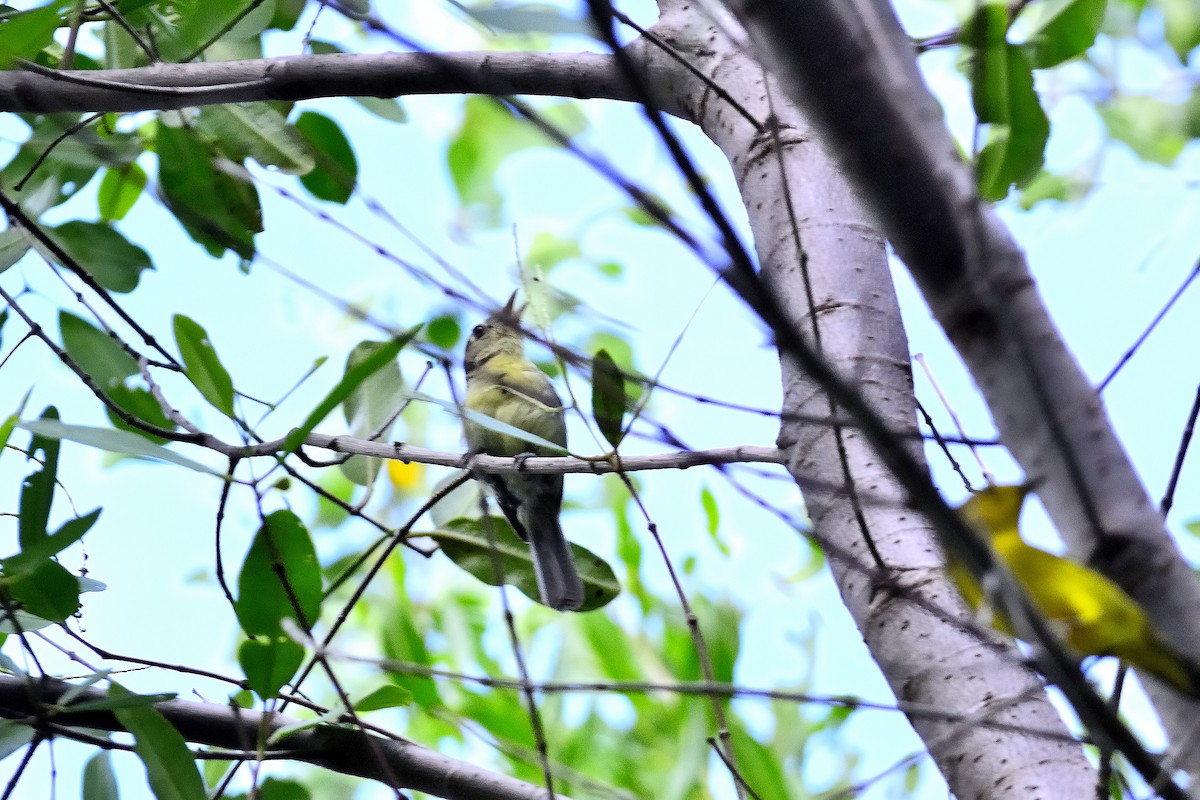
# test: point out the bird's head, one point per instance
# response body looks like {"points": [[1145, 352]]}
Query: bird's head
{"points": [[499, 334], [995, 509]]}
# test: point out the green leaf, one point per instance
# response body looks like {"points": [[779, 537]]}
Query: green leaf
{"points": [[1191, 114], [1064, 29], [531, 18], [287, 13], [87, 584], [1049, 186], [71, 531], [353, 378], [387, 696], [444, 331], [912, 779], [712, 517], [548, 250], [403, 641], [119, 190], [141, 404], [612, 649], [1181, 26], [25, 34], [14, 736], [47, 590], [169, 766], [257, 131], [712, 514], [1005, 100], [14, 244], [641, 215], [609, 401], [87, 148], [622, 353], [77, 689], [97, 353], [120, 49], [44, 190], [387, 108], [375, 399], [1153, 129], [281, 551], [277, 789], [269, 663], [99, 780], [758, 766], [723, 620], [219, 210], [194, 23], [37, 492], [57, 168], [109, 365], [328, 718], [984, 35], [112, 703], [335, 173], [372, 403], [329, 513], [104, 253], [629, 549], [465, 500], [202, 366], [6, 427], [489, 134], [467, 544], [123, 442], [17, 621]]}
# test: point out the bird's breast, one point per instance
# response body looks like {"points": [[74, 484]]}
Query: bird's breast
{"points": [[504, 405]]}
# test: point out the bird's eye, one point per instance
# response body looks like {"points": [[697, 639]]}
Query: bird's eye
{"points": [[475, 334]]}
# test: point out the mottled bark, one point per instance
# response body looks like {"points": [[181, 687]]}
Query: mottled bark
{"points": [[827, 248]]}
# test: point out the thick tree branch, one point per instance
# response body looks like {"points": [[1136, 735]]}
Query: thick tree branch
{"points": [[174, 86], [824, 265], [335, 747], [854, 71]]}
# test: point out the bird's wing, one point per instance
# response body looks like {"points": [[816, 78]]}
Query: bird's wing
{"points": [[531, 385], [1063, 589]]}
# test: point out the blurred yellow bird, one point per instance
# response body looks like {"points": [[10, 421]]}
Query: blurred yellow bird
{"points": [[1093, 615], [505, 385]]}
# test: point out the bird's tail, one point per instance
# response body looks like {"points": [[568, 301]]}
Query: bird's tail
{"points": [[553, 563]]}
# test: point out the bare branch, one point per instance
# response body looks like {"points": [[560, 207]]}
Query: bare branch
{"points": [[174, 86], [541, 465], [334, 747]]}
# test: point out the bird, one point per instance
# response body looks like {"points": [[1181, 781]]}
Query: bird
{"points": [[505, 385], [1093, 615]]}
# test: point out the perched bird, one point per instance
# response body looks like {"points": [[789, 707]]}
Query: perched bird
{"points": [[505, 385], [1093, 615]]}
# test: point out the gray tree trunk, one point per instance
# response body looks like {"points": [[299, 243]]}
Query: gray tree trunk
{"points": [[824, 260]]}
